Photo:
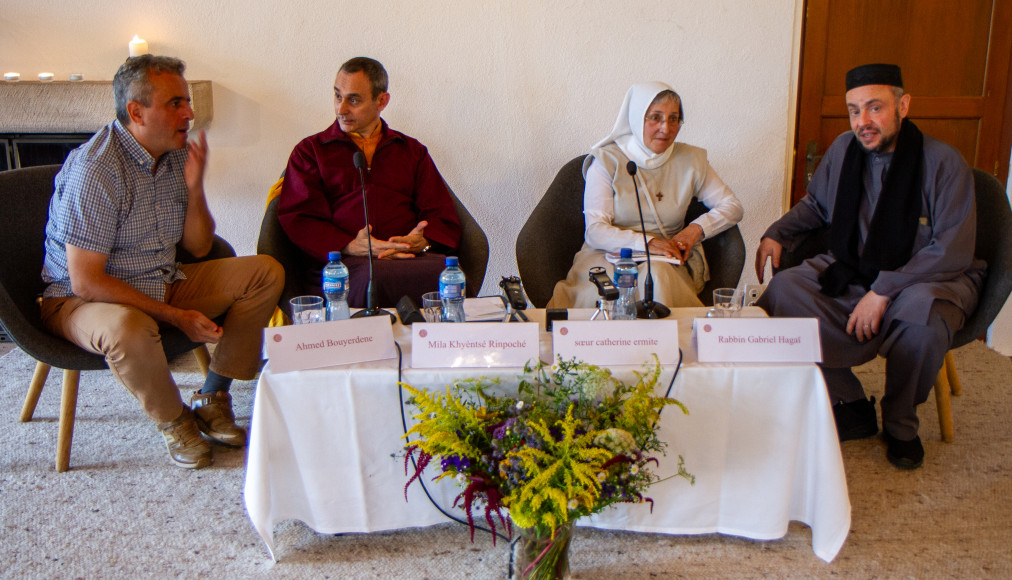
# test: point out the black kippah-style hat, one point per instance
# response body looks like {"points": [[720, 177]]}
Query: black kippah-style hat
{"points": [[874, 74]]}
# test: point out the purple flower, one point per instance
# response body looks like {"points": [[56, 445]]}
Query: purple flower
{"points": [[455, 463], [501, 431]]}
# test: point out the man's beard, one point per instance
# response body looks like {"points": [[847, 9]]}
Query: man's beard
{"points": [[887, 141]]}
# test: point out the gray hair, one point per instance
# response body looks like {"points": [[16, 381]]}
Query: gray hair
{"points": [[373, 70], [132, 83], [669, 95]]}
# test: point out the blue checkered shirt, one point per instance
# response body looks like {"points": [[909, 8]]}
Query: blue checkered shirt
{"points": [[106, 200]]}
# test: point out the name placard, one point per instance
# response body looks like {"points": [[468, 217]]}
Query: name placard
{"points": [[489, 344], [324, 344], [616, 342], [790, 340]]}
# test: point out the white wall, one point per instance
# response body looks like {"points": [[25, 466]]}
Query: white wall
{"points": [[999, 336], [502, 93]]}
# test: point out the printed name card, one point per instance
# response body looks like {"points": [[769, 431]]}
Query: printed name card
{"points": [[443, 345], [324, 344], [616, 342], [786, 340]]}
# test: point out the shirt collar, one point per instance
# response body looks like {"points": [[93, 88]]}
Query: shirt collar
{"points": [[334, 133]]}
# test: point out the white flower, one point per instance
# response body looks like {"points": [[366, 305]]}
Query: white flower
{"points": [[634, 469], [520, 405], [617, 441], [461, 478], [573, 504], [601, 476]]}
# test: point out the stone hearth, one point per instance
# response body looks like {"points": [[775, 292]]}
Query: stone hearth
{"points": [[75, 107]]}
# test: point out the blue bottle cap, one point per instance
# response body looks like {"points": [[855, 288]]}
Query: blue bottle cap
{"points": [[451, 260], [334, 256], [625, 253]]}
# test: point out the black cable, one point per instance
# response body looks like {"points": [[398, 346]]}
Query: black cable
{"points": [[667, 393], [678, 367]]}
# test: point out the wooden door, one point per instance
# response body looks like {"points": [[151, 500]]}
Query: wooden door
{"points": [[955, 61]]}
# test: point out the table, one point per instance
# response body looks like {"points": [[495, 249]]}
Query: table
{"points": [[325, 448]]}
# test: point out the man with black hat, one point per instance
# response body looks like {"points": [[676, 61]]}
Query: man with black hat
{"points": [[899, 278]]}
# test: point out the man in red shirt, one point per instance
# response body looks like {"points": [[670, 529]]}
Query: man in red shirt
{"points": [[413, 221]]}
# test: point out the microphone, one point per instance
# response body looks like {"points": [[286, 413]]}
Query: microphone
{"points": [[646, 308], [370, 297]]}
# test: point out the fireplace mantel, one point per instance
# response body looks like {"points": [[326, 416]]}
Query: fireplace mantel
{"points": [[75, 107]]}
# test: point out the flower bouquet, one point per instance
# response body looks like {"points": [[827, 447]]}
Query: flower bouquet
{"points": [[573, 441]]}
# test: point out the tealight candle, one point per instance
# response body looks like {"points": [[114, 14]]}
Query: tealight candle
{"points": [[138, 46], [76, 77], [45, 77], [12, 77]]}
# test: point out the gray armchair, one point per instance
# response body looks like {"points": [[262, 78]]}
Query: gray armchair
{"points": [[553, 234], [25, 195]]}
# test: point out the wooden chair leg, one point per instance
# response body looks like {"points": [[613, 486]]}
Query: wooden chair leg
{"points": [[953, 376], [34, 391], [68, 408], [203, 358], [942, 401]]}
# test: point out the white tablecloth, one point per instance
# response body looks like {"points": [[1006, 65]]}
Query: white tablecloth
{"points": [[325, 448]]}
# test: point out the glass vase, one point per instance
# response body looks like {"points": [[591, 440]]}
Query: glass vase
{"points": [[537, 556]]}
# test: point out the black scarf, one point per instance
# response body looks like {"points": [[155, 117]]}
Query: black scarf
{"points": [[893, 225]]}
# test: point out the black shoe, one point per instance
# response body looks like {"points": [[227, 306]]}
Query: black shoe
{"points": [[904, 454], [856, 419]]}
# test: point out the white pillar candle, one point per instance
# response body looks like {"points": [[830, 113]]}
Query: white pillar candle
{"points": [[138, 46], [12, 77], [45, 77]]}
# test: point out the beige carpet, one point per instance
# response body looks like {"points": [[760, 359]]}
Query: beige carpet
{"points": [[123, 510]]}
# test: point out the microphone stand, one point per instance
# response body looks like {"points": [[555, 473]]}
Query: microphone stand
{"points": [[646, 308], [370, 298]]}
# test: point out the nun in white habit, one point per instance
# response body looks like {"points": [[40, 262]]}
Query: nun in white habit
{"points": [[669, 175]]}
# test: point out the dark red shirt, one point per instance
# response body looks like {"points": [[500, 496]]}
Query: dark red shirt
{"points": [[321, 198]]}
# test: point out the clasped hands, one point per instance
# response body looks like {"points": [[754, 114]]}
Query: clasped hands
{"points": [[397, 247], [680, 245]]}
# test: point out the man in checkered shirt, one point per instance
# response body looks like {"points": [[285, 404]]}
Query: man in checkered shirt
{"points": [[123, 201]]}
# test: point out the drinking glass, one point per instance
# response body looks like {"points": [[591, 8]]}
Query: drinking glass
{"points": [[432, 307], [727, 302], [307, 309]]}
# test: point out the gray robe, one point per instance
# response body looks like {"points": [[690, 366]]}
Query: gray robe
{"points": [[930, 296]]}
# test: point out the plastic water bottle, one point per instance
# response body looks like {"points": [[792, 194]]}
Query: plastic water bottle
{"points": [[626, 273], [335, 287], [451, 291]]}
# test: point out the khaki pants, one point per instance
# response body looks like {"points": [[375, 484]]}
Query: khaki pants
{"points": [[245, 290]]}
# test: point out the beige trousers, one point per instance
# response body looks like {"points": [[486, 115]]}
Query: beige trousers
{"points": [[245, 290]]}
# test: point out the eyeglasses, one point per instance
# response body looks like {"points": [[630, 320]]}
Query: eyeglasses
{"points": [[657, 119]]}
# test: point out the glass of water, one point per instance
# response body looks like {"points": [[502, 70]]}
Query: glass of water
{"points": [[432, 307], [307, 309], [726, 302]]}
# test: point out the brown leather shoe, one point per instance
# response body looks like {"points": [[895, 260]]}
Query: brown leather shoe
{"points": [[186, 447], [216, 420]]}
